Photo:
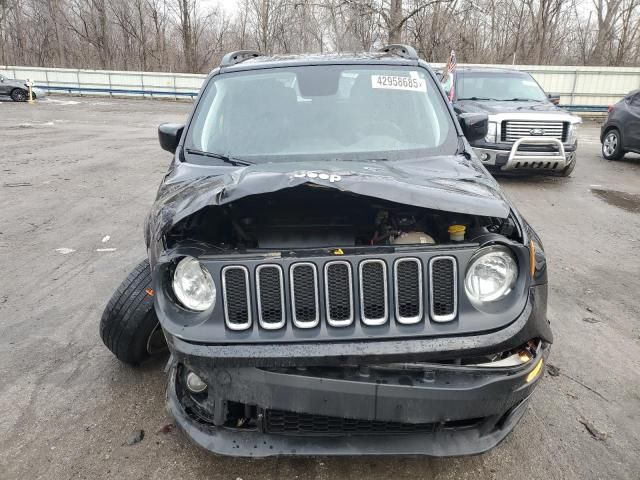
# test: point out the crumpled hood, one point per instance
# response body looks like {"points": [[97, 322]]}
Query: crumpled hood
{"points": [[448, 183], [489, 107]]}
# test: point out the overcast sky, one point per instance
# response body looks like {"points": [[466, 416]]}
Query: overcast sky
{"points": [[229, 5]]}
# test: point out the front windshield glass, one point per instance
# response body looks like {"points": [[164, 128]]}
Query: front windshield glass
{"points": [[329, 112], [498, 86]]}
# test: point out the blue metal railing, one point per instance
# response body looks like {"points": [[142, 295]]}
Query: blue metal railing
{"points": [[585, 108], [116, 91]]}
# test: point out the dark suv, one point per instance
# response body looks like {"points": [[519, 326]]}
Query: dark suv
{"points": [[333, 269], [620, 132]]}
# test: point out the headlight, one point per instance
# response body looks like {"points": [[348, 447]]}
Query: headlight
{"points": [[492, 132], [193, 285], [572, 134], [491, 274]]}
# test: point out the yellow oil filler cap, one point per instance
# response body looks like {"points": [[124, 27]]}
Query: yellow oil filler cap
{"points": [[456, 233]]}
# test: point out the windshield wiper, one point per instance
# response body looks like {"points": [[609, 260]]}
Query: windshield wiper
{"points": [[230, 160], [378, 159], [479, 98], [522, 100]]}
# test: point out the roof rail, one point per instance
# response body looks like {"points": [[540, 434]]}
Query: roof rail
{"points": [[402, 50], [238, 56]]}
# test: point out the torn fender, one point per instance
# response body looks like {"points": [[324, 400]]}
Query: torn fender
{"points": [[448, 183]]}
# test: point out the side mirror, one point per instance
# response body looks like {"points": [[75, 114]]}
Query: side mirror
{"points": [[169, 136], [474, 125], [554, 98]]}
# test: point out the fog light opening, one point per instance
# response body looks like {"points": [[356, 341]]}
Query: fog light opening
{"points": [[484, 157], [195, 384]]}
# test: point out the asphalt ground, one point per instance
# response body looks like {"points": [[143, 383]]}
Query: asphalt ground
{"points": [[77, 177]]}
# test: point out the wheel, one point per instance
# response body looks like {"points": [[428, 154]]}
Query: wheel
{"points": [[18, 95], [612, 145], [129, 326]]}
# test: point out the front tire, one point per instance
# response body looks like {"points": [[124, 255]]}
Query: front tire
{"points": [[612, 145], [18, 95], [129, 326], [568, 169]]}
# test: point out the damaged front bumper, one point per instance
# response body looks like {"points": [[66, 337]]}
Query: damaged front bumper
{"points": [[436, 410], [381, 397]]}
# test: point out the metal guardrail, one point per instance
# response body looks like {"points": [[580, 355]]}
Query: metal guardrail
{"points": [[117, 91], [581, 89]]}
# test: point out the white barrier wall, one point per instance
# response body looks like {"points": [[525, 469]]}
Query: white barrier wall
{"points": [[584, 86], [103, 82], [580, 87]]}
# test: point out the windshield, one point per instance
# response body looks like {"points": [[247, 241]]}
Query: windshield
{"points": [[329, 112], [498, 86]]}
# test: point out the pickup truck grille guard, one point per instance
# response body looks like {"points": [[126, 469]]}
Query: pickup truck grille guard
{"points": [[526, 159]]}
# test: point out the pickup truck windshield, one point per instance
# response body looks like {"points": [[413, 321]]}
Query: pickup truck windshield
{"points": [[499, 86], [330, 112]]}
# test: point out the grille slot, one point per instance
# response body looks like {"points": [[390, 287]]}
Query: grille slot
{"points": [[443, 281], [304, 295], [292, 423], [408, 290], [513, 130], [374, 299], [237, 304], [270, 296], [338, 287]]}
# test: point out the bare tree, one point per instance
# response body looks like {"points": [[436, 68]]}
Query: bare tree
{"points": [[191, 36]]}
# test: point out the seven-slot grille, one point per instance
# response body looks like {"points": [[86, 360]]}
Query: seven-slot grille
{"points": [[367, 285], [513, 130]]}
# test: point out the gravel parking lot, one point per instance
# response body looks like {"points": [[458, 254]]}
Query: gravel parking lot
{"points": [[77, 177]]}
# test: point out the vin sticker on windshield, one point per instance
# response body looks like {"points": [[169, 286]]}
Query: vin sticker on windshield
{"points": [[394, 82]]}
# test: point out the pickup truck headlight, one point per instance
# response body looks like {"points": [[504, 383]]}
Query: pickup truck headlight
{"points": [[492, 133], [193, 285], [572, 133], [491, 274]]}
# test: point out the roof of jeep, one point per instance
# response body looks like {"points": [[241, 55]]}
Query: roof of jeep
{"points": [[274, 61]]}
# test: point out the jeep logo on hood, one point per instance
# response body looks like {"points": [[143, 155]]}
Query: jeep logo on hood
{"points": [[322, 176]]}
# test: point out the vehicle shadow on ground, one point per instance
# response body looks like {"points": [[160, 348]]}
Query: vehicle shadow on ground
{"points": [[630, 159], [347, 467], [156, 363]]}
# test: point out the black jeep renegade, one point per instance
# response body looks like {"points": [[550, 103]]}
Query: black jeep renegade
{"points": [[333, 269]]}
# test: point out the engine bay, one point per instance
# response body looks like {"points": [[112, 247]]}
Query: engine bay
{"points": [[318, 217]]}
